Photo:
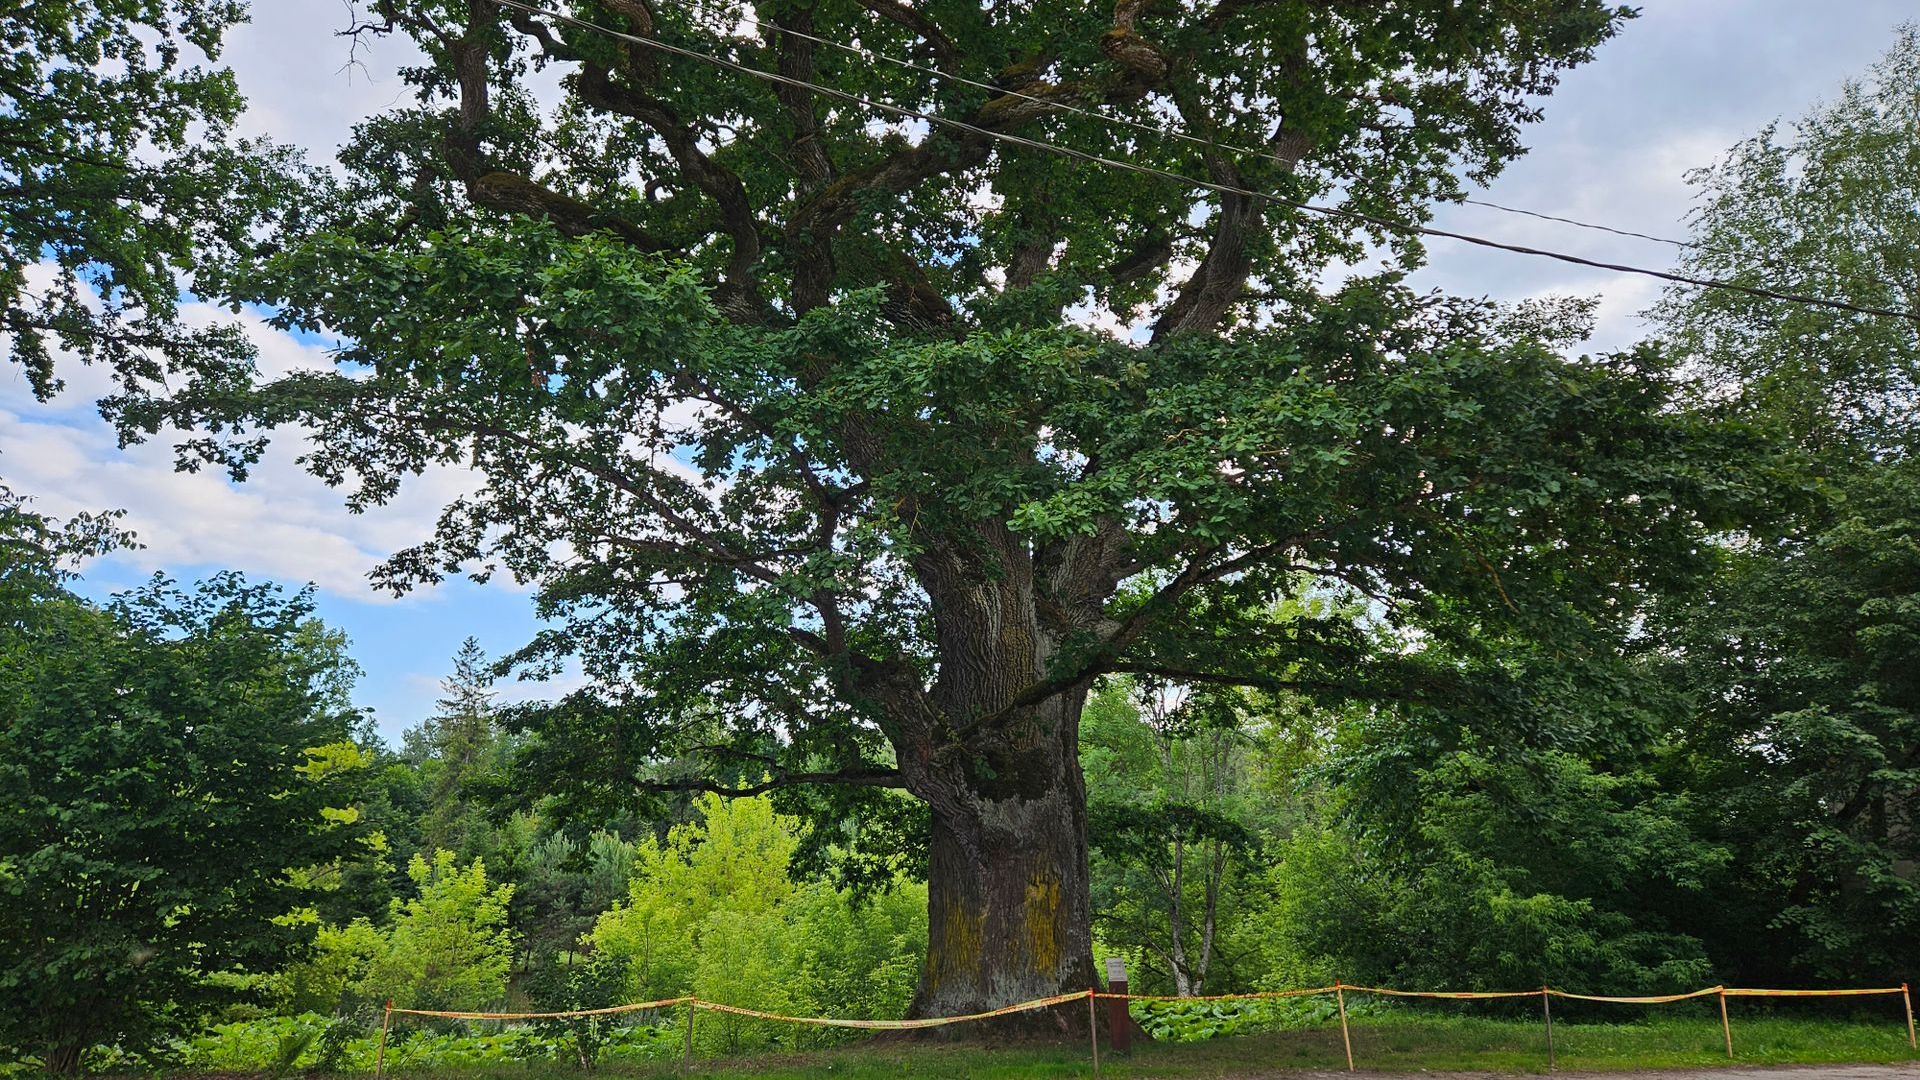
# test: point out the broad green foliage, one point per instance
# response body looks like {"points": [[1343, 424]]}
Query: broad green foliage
{"points": [[801, 430], [37, 552], [733, 861], [714, 912], [165, 761], [1801, 732], [447, 947], [335, 972], [870, 371], [797, 424], [595, 983], [1175, 817], [120, 185], [1804, 741], [1823, 205], [250, 1046], [1510, 880]]}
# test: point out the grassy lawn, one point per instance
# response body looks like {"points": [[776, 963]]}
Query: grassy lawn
{"points": [[1400, 1043]]}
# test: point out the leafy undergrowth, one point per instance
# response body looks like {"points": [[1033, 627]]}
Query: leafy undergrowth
{"points": [[1403, 1042]]}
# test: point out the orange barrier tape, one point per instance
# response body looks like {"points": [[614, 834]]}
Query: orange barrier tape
{"points": [[1261, 995], [1461, 995], [610, 1010], [1048, 1002], [1733, 992], [894, 1025], [1659, 999]]}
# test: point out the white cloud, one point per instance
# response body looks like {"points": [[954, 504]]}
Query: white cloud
{"points": [[282, 523]]}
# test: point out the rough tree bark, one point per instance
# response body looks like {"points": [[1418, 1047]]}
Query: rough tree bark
{"points": [[1009, 895], [1007, 890]]}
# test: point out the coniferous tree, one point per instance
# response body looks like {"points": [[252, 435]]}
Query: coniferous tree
{"points": [[460, 752]]}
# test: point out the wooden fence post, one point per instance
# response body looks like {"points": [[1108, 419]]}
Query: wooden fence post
{"points": [[380, 1055], [1907, 996], [1546, 1008], [686, 1059], [1724, 1025], [1093, 1032], [1340, 999]]}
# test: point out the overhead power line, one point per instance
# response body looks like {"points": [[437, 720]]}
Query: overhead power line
{"points": [[1009, 138], [1585, 224]]}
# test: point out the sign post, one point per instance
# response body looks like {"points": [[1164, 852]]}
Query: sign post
{"points": [[1119, 1019]]}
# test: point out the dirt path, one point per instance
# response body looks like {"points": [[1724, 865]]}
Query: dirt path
{"points": [[1746, 1073], [1770, 1072]]}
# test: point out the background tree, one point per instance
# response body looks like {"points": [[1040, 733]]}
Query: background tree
{"points": [[158, 759], [1445, 856], [1803, 662], [844, 475], [121, 187], [449, 947], [1174, 819], [715, 910], [1826, 203], [461, 756], [1804, 715]]}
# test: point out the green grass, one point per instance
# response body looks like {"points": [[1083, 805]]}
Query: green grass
{"points": [[1396, 1043]]}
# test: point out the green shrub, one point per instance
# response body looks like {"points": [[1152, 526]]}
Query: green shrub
{"points": [[715, 911]]}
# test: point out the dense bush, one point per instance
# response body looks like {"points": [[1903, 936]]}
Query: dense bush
{"points": [[715, 911], [254, 1045], [164, 765], [448, 947]]}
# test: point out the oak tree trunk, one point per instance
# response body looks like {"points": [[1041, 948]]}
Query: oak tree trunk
{"points": [[1008, 899], [993, 747], [1009, 916]]}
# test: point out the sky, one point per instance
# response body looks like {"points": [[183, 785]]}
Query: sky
{"points": [[1682, 83]]}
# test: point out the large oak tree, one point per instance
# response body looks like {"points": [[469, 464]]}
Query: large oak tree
{"points": [[801, 421]]}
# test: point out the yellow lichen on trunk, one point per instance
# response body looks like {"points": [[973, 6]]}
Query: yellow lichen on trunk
{"points": [[1043, 922], [957, 949]]}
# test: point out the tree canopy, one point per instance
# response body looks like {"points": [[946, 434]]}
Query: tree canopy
{"points": [[1825, 203], [121, 186], [805, 425]]}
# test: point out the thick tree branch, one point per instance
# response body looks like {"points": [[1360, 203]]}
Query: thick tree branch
{"points": [[816, 222], [856, 778], [947, 56], [505, 190], [739, 294], [1262, 681]]}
